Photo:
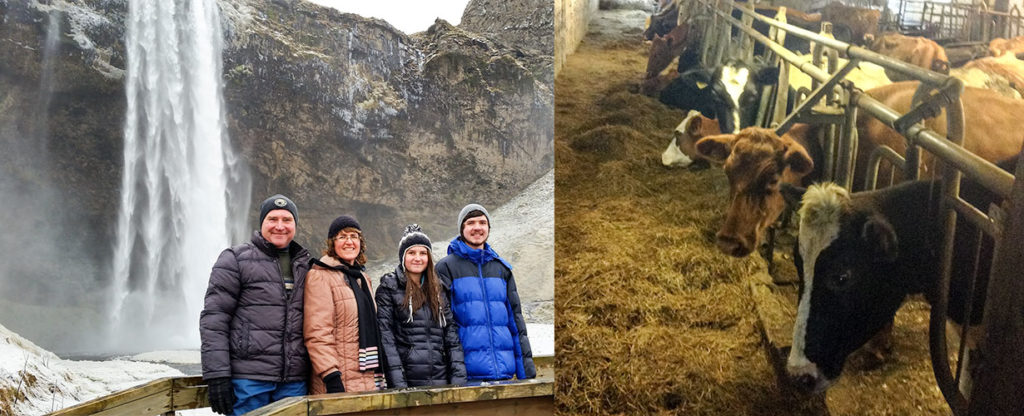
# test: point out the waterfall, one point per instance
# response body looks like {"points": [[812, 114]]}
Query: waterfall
{"points": [[184, 192], [41, 133]]}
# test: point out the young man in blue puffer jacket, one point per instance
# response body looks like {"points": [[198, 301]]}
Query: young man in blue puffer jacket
{"points": [[485, 303]]}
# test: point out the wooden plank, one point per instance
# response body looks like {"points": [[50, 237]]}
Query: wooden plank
{"points": [[1000, 380], [529, 406], [545, 365], [346, 403], [186, 398], [146, 406], [775, 308], [159, 388], [183, 393]]}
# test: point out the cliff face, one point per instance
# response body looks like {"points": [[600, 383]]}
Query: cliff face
{"points": [[342, 113], [358, 117]]}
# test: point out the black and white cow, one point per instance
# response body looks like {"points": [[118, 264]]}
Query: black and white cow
{"points": [[859, 256]]}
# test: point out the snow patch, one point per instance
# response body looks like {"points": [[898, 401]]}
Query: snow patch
{"points": [[49, 383], [170, 357]]}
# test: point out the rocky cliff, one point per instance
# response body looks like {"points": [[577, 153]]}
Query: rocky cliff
{"points": [[344, 114]]}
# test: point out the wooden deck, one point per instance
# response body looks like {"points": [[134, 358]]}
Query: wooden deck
{"points": [[507, 398]]}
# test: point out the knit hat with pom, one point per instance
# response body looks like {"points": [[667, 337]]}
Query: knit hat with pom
{"points": [[412, 236]]}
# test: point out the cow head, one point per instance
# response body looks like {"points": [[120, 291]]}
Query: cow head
{"points": [[681, 152], [848, 289], [665, 49], [756, 161], [662, 22]]}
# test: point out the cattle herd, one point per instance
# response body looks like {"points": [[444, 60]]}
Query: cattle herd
{"points": [[858, 254]]}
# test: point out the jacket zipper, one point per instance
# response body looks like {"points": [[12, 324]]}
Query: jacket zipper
{"points": [[490, 324], [285, 340]]}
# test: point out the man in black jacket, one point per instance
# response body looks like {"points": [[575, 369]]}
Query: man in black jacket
{"points": [[251, 324]]}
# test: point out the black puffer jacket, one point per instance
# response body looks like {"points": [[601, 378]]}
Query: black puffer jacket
{"points": [[249, 327], [423, 352]]}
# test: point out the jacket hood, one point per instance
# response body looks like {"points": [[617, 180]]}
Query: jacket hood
{"points": [[477, 256]]}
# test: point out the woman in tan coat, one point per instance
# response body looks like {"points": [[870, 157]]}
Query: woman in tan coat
{"points": [[340, 319]]}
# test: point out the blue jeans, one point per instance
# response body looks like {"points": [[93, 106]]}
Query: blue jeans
{"points": [[254, 394]]}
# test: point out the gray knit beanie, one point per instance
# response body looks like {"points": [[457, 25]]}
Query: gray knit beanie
{"points": [[468, 209]]}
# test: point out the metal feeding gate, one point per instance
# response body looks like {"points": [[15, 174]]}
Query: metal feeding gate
{"points": [[996, 379], [973, 21]]}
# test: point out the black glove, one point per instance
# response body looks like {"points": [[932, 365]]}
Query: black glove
{"points": [[333, 383], [222, 395]]}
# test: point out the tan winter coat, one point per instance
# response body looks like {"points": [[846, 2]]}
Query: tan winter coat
{"points": [[331, 329]]}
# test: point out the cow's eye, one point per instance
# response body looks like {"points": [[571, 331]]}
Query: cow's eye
{"points": [[843, 278]]}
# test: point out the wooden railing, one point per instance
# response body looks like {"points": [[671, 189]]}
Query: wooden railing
{"points": [[166, 395]]}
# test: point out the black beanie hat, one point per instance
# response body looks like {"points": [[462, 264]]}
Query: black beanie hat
{"points": [[412, 236], [342, 223], [278, 202]]}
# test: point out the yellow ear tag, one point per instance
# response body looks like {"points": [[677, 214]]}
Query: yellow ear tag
{"points": [[701, 85]]}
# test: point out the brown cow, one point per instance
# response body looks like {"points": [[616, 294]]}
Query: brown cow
{"points": [[1003, 71], [857, 21], [757, 160], [914, 50], [681, 152], [664, 49], [1000, 46]]}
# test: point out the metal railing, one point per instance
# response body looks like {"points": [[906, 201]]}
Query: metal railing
{"points": [[962, 21], [165, 396], [936, 93]]}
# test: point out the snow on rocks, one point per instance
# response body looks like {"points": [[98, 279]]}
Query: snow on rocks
{"points": [[38, 382]]}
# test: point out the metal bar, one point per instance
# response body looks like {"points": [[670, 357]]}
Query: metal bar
{"points": [[857, 52], [976, 217], [746, 42], [781, 92], [875, 159], [984, 172], [968, 311], [724, 36], [940, 304], [996, 391], [816, 96], [847, 148]]}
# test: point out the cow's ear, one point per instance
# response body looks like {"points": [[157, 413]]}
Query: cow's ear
{"points": [[798, 160], [693, 127], [880, 236], [716, 148], [792, 194]]}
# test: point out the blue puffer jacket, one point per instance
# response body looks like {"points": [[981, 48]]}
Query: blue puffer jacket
{"points": [[486, 307]]}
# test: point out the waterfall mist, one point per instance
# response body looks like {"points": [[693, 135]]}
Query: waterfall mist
{"points": [[49, 268], [184, 193]]}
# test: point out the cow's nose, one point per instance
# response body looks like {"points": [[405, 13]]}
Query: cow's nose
{"points": [[806, 382], [732, 246]]}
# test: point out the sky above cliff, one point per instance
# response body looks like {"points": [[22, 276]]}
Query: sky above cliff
{"points": [[409, 16]]}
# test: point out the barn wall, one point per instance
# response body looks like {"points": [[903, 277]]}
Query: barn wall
{"points": [[571, 19]]}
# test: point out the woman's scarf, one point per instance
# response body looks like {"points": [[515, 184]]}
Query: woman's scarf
{"points": [[369, 338]]}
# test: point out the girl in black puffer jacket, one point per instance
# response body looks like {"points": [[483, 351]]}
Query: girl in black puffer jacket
{"points": [[419, 337]]}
